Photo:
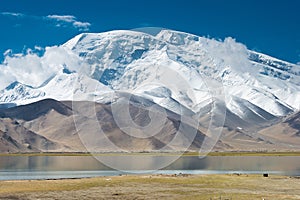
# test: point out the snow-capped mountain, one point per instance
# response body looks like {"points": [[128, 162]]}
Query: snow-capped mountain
{"points": [[20, 92], [172, 69]]}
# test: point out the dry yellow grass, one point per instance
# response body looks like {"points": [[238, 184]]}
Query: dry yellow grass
{"points": [[156, 187]]}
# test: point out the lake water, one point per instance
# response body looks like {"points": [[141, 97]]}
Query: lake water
{"points": [[53, 167]]}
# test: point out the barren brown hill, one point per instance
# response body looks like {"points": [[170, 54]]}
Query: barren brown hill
{"points": [[14, 137], [53, 126], [54, 121], [287, 131]]}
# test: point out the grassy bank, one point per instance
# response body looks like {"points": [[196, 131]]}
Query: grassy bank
{"points": [[156, 187]]}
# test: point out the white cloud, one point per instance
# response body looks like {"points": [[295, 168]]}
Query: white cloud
{"points": [[231, 53], [65, 18], [70, 19], [12, 14], [32, 69], [38, 48], [59, 20], [6, 77], [7, 52], [82, 26]]}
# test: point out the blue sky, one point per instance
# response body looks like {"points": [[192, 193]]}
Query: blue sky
{"points": [[268, 26]]}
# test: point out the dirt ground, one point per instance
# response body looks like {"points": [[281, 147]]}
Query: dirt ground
{"points": [[211, 187]]}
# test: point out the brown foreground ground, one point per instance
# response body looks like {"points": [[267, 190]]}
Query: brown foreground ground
{"points": [[211, 187]]}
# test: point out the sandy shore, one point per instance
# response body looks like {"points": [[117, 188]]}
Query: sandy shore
{"points": [[156, 187]]}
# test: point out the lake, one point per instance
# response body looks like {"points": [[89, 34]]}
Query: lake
{"points": [[54, 167]]}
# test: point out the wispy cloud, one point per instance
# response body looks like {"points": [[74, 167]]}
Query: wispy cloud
{"points": [[64, 18], [84, 26], [70, 19], [58, 20], [13, 14]]}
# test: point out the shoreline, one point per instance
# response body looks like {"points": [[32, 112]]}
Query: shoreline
{"points": [[167, 173], [229, 153]]}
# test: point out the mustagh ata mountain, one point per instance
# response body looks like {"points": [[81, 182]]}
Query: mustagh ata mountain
{"points": [[135, 91]]}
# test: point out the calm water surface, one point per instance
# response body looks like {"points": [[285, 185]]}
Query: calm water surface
{"points": [[52, 167]]}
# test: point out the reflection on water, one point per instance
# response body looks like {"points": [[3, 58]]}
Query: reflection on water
{"points": [[32, 167], [50, 163]]}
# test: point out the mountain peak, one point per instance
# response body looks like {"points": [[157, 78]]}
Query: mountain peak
{"points": [[176, 37], [12, 85], [17, 91]]}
